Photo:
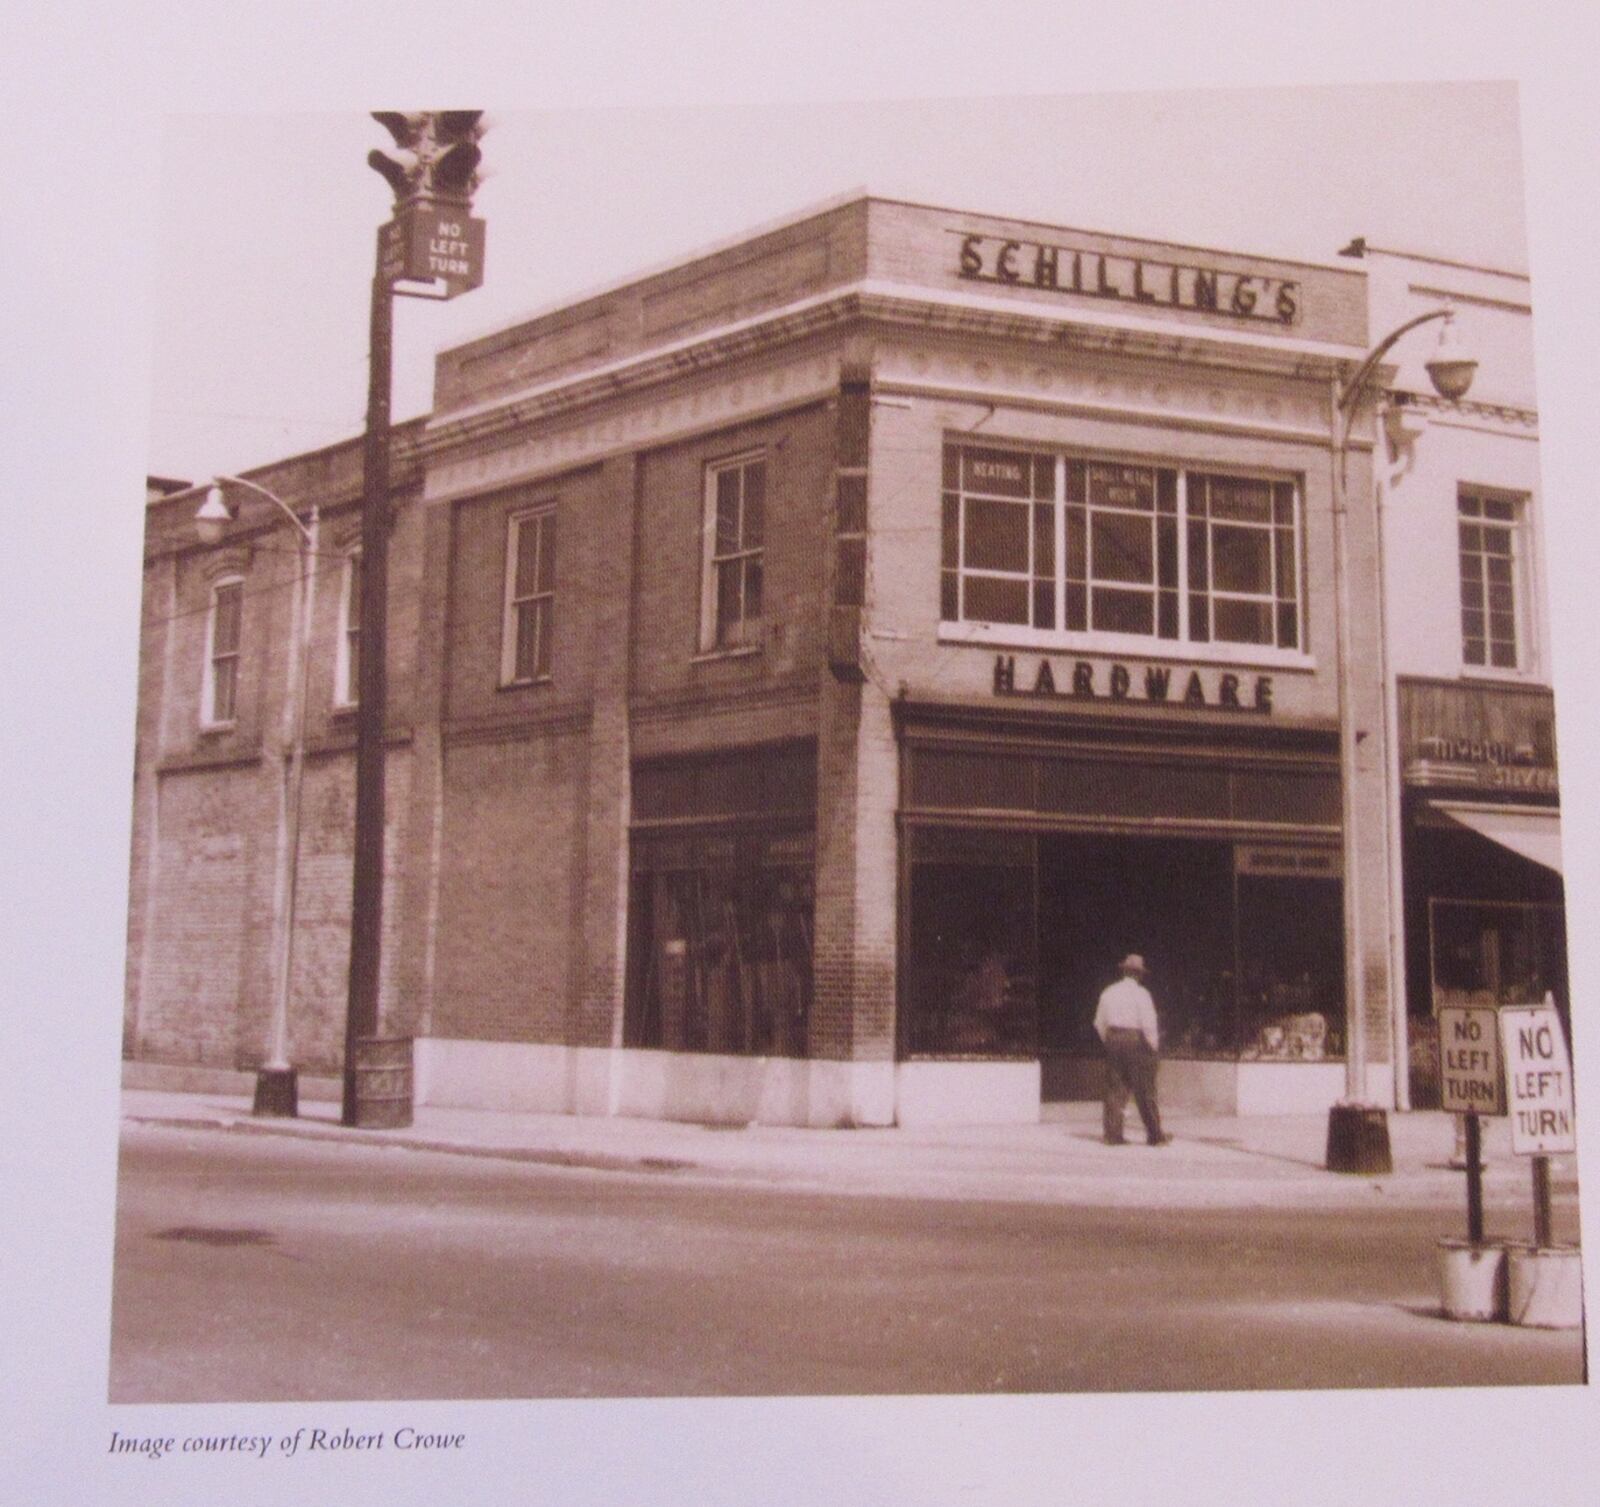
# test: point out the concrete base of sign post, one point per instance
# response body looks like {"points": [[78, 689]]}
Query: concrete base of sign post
{"points": [[1544, 1286], [1472, 1280], [277, 1093]]}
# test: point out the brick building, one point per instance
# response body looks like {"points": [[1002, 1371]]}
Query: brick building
{"points": [[813, 666]]}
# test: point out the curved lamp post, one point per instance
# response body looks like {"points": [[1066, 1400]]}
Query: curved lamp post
{"points": [[277, 1082], [1358, 1133]]}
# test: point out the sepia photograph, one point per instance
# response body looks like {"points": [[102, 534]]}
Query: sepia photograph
{"points": [[891, 755], [838, 810]]}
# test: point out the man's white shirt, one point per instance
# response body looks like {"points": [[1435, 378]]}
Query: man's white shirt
{"points": [[1127, 1003]]}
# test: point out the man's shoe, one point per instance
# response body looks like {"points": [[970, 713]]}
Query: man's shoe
{"points": [[1114, 1140], [1162, 1140]]}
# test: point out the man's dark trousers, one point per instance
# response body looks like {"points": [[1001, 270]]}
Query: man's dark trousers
{"points": [[1130, 1068]]}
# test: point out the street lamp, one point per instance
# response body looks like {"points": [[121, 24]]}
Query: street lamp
{"points": [[277, 1083], [1358, 1133]]}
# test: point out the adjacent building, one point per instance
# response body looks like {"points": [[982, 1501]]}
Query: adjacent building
{"points": [[815, 664]]}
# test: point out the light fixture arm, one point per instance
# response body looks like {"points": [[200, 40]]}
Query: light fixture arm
{"points": [[272, 497]]}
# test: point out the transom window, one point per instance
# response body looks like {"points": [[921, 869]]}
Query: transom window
{"points": [[736, 498], [222, 651], [1098, 546], [530, 597], [1487, 534]]}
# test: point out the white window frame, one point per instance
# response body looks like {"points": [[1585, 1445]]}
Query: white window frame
{"points": [[746, 640], [541, 602], [209, 683], [1137, 645], [1522, 596], [346, 666]]}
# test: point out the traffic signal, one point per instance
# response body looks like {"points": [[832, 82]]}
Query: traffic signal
{"points": [[436, 155], [402, 169]]}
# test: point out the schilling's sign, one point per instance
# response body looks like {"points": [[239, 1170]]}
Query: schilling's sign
{"points": [[1155, 683], [1141, 280]]}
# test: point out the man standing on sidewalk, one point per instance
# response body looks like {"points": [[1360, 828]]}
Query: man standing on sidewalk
{"points": [[1125, 1021]]}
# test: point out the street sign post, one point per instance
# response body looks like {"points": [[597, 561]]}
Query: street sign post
{"points": [[1471, 1083], [1539, 1079]]}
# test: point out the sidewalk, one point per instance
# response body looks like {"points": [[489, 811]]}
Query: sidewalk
{"points": [[1213, 1162]]}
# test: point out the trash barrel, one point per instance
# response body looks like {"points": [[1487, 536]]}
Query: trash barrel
{"points": [[382, 1073], [1358, 1139]]}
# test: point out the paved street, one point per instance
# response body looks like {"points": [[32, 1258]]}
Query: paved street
{"points": [[266, 1267]]}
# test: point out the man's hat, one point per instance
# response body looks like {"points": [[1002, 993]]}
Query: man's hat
{"points": [[1133, 963]]}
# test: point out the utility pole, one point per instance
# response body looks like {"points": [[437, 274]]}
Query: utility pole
{"points": [[431, 248]]}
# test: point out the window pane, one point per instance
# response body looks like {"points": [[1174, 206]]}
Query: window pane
{"points": [[994, 601], [949, 608], [1284, 582], [1075, 481], [1502, 627], [527, 640], [1470, 507], [1472, 624], [727, 510], [1121, 548], [997, 536], [527, 557], [547, 552], [1243, 622], [541, 610], [1499, 569], [1496, 542], [1472, 651], [1198, 575], [1044, 604], [1000, 473], [1077, 607], [1199, 617], [1472, 569], [1505, 511], [1044, 540], [1500, 598], [1471, 536], [1283, 503], [1288, 626], [223, 672], [1503, 656], [225, 635], [752, 587], [1242, 559], [1167, 615], [729, 573], [755, 504], [1167, 551], [1122, 487], [352, 609], [1124, 611], [1077, 565], [1240, 499]]}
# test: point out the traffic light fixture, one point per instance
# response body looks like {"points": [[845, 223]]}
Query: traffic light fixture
{"points": [[432, 243]]}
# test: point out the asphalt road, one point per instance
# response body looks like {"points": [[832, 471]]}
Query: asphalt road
{"points": [[260, 1268]]}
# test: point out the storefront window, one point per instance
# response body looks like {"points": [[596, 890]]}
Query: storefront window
{"points": [[722, 946], [1095, 546], [1291, 969], [969, 973]]}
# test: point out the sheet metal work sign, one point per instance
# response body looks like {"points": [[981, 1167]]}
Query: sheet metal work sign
{"points": [[1470, 1079], [1538, 1080], [432, 243]]}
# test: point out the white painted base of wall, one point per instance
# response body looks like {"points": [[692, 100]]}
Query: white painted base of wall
{"points": [[967, 1093], [702, 1087], [723, 1090]]}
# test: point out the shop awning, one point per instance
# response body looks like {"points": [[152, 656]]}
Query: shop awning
{"points": [[1535, 835]]}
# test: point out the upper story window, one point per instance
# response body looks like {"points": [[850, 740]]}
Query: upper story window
{"points": [[1486, 530], [220, 694], [735, 533], [530, 597], [1083, 545], [347, 655]]}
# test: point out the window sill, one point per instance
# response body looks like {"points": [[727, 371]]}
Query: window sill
{"points": [[1127, 646], [526, 685], [216, 729], [735, 651], [1492, 674]]}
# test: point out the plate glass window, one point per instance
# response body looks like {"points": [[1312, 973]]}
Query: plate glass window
{"points": [[736, 505], [1487, 537], [530, 597], [222, 651]]}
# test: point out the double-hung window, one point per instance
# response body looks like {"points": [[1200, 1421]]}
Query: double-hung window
{"points": [[1099, 547], [735, 535], [1486, 529], [530, 597], [347, 666], [221, 690]]}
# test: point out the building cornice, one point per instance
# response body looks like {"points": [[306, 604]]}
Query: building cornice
{"points": [[889, 306]]}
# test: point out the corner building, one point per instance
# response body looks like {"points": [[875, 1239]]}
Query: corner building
{"points": [[833, 652]]}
